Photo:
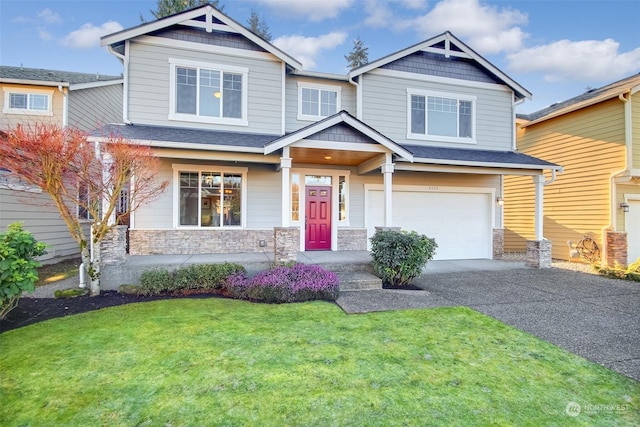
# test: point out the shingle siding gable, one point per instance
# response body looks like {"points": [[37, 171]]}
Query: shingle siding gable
{"points": [[341, 133], [436, 65], [215, 38]]}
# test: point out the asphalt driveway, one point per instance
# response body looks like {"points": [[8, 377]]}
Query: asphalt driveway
{"points": [[594, 317]]}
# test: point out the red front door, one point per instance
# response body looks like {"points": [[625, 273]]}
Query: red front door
{"points": [[318, 220]]}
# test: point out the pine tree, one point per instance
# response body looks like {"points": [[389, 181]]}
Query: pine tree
{"points": [[258, 26], [358, 56]]}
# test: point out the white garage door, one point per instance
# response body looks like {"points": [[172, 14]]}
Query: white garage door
{"points": [[632, 220], [460, 222]]}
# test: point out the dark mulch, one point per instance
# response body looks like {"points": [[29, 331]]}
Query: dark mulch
{"points": [[33, 310]]}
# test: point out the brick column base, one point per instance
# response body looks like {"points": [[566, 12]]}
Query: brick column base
{"points": [[286, 244], [498, 243], [616, 248], [114, 245], [539, 253]]}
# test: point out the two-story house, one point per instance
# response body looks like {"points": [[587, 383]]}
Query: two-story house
{"points": [[263, 155], [29, 96]]}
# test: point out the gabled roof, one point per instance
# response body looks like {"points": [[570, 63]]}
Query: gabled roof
{"points": [[340, 117], [209, 13], [448, 45], [40, 76], [586, 99]]}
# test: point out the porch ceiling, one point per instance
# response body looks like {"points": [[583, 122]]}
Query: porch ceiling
{"points": [[320, 156]]}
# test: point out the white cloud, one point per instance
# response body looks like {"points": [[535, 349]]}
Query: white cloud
{"points": [[44, 34], [49, 16], [21, 20], [378, 14], [314, 10], [306, 49], [486, 28], [414, 4], [88, 36], [586, 60]]}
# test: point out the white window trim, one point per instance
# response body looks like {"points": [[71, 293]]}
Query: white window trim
{"points": [[20, 91], [330, 88], [427, 137], [179, 167], [173, 115]]}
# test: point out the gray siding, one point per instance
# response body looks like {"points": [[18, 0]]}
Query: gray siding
{"points": [[215, 38], [342, 133], [41, 218], [348, 99], [384, 102], [149, 88], [92, 108]]}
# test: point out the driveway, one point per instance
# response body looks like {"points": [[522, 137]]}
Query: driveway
{"points": [[594, 317]]}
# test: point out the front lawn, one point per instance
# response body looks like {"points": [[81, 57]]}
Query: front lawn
{"points": [[192, 362]]}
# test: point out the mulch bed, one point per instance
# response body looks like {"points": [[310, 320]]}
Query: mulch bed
{"points": [[33, 310]]}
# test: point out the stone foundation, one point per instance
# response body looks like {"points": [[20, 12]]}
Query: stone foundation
{"points": [[539, 253], [352, 239], [498, 243], [191, 242], [616, 248], [114, 245], [287, 244]]}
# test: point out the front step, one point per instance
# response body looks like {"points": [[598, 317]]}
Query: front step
{"points": [[358, 281]]}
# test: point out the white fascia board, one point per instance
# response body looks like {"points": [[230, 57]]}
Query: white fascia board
{"points": [[296, 136], [91, 85], [34, 82], [423, 167], [320, 75], [389, 144], [184, 145], [487, 164]]}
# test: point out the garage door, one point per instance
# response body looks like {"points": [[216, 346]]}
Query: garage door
{"points": [[632, 221], [460, 222]]}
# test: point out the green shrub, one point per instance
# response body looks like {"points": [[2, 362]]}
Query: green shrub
{"points": [[632, 272], [399, 256], [201, 277], [18, 272]]}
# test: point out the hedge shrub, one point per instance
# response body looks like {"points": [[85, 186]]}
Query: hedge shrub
{"points": [[631, 272], [282, 284], [195, 277], [400, 256]]}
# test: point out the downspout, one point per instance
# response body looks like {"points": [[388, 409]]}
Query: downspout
{"points": [[515, 132], [65, 106], [125, 75], [358, 97]]}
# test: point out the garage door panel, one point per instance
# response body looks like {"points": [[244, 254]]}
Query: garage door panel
{"points": [[459, 222], [632, 220]]}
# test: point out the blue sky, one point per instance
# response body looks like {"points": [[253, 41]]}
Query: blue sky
{"points": [[555, 49]]}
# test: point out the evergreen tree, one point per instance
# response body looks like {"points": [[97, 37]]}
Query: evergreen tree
{"points": [[358, 56], [258, 26]]}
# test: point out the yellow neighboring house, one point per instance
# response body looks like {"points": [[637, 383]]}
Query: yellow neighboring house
{"points": [[596, 138], [29, 96]]}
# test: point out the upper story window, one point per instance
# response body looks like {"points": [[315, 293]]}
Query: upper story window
{"points": [[441, 117], [37, 102], [208, 93], [317, 101]]}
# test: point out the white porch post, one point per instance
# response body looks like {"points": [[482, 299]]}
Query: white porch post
{"points": [[538, 181], [285, 169], [387, 171]]}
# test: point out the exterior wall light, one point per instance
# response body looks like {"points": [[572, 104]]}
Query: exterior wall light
{"points": [[624, 206], [500, 201]]}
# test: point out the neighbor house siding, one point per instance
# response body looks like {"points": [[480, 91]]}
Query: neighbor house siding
{"points": [[11, 120], [384, 105], [589, 144], [347, 99], [149, 85], [635, 124], [92, 108]]}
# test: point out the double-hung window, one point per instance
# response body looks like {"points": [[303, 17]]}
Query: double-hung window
{"points": [[440, 117], [208, 93], [211, 198], [36, 102], [316, 102]]}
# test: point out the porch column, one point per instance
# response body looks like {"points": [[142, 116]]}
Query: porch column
{"points": [[538, 182], [285, 169], [387, 171], [539, 250]]}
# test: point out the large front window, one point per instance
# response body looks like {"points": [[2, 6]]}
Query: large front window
{"points": [[210, 198], [208, 93], [440, 117]]}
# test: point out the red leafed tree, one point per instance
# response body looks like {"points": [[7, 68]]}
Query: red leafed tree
{"points": [[83, 176]]}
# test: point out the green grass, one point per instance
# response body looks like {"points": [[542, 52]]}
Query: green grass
{"points": [[225, 362]]}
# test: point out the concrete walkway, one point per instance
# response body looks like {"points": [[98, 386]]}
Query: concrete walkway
{"points": [[594, 317]]}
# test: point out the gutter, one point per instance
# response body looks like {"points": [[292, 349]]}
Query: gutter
{"points": [[65, 106], [358, 96]]}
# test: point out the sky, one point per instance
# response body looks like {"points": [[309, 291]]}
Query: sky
{"points": [[555, 49]]}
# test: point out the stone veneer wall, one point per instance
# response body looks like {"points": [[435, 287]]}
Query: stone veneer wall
{"points": [[114, 245], [174, 242], [287, 244], [498, 243], [352, 239], [539, 253], [616, 248]]}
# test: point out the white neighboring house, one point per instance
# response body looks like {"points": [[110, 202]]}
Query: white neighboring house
{"points": [[29, 96], [261, 153]]}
